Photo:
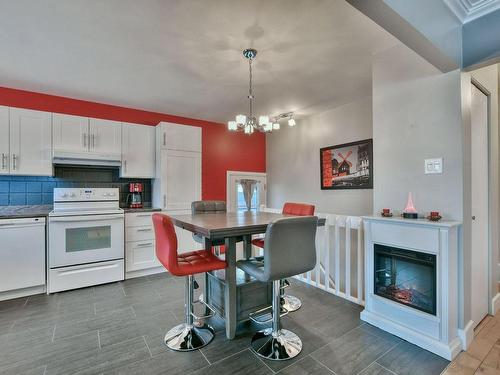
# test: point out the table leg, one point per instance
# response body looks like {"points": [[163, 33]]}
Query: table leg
{"points": [[230, 290], [247, 246], [208, 247]]}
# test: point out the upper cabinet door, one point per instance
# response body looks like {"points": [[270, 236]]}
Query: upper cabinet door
{"points": [[182, 180], [30, 142], [105, 139], [138, 151], [70, 135], [180, 137], [4, 140]]}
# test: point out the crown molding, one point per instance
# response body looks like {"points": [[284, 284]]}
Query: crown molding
{"points": [[468, 10]]}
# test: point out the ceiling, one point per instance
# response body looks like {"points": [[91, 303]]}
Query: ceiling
{"points": [[183, 57], [468, 10]]}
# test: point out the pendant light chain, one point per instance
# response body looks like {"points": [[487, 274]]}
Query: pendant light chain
{"points": [[250, 91]]}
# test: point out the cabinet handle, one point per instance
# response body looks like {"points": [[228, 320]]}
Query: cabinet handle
{"points": [[93, 141], [4, 166], [165, 200], [84, 140], [145, 244], [14, 161], [164, 139], [145, 215], [144, 230], [125, 166]]}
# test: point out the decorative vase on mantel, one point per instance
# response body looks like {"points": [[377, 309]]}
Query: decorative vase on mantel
{"points": [[410, 212]]}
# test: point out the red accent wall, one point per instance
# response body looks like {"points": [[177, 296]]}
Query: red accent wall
{"points": [[222, 150]]}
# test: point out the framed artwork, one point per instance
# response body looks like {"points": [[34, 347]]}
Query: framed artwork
{"points": [[347, 166]]}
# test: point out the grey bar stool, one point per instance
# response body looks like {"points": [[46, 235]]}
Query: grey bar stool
{"points": [[207, 207], [289, 250]]}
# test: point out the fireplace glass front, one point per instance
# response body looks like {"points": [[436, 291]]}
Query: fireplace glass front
{"points": [[406, 276]]}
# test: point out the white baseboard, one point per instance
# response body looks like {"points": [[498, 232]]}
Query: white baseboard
{"points": [[466, 335], [146, 272], [448, 351], [22, 292], [495, 304]]}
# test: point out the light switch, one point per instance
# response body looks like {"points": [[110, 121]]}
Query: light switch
{"points": [[434, 166]]}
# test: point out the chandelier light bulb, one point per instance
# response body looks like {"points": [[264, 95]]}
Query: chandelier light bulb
{"points": [[276, 126], [231, 125], [241, 119], [291, 122], [263, 120]]}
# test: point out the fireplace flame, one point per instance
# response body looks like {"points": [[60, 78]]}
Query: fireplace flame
{"points": [[410, 208]]}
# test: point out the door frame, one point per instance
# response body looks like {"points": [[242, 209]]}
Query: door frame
{"points": [[491, 293], [231, 197]]}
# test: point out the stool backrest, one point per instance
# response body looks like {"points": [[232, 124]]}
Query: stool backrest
{"points": [[205, 207], [290, 247], [166, 242], [298, 209]]}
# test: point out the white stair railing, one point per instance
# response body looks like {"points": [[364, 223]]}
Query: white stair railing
{"points": [[339, 251]]}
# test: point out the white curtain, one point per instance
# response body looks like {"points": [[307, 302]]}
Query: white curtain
{"points": [[248, 190]]}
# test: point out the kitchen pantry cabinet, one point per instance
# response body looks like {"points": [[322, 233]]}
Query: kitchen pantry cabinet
{"points": [[77, 137], [178, 166], [138, 151], [30, 142]]}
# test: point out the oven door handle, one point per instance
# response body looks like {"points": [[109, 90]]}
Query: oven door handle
{"points": [[67, 219]]}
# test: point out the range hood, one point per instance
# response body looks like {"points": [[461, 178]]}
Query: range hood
{"points": [[90, 159]]}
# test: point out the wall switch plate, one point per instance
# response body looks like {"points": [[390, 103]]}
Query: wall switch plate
{"points": [[434, 166]]}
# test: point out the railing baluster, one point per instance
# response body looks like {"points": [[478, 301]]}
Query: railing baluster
{"points": [[348, 257], [327, 252], [337, 255]]}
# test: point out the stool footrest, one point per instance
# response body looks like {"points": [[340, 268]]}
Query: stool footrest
{"points": [[200, 300], [254, 316]]}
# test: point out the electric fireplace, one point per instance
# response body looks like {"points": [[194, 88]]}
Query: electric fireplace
{"points": [[405, 276]]}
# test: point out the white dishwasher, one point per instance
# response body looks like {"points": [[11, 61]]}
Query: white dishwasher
{"points": [[22, 253]]}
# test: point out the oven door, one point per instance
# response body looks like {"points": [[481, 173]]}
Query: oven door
{"points": [[85, 239]]}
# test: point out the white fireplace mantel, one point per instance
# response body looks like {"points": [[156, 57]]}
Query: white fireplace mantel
{"points": [[436, 333]]}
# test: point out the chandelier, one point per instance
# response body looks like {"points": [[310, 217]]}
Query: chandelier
{"points": [[248, 123]]}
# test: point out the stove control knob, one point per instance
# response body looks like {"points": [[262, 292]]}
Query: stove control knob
{"points": [[65, 195], [73, 195]]}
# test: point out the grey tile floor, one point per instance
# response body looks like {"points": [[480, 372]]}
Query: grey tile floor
{"points": [[118, 329]]}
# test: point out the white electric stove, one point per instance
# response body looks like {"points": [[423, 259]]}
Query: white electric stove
{"points": [[86, 238]]}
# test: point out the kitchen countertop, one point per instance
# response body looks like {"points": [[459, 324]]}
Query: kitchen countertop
{"points": [[16, 212], [144, 209]]}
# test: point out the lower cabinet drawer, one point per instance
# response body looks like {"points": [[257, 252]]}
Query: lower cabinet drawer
{"points": [[140, 255], [138, 219], [66, 278], [143, 233]]}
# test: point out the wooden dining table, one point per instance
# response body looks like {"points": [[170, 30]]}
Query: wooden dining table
{"points": [[232, 227]]}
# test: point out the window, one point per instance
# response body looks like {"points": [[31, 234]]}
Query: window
{"points": [[241, 205]]}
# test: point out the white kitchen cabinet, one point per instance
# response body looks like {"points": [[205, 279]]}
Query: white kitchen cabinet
{"points": [[178, 180], [140, 253], [70, 135], [22, 256], [30, 139], [179, 137], [138, 151], [4, 140], [105, 139], [178, 166]]}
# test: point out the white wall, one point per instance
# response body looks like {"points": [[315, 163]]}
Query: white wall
{"points": [[293, 162], [416, 115]]}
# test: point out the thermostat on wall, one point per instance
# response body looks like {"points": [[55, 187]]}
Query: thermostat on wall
{"points": [[434, 166]]}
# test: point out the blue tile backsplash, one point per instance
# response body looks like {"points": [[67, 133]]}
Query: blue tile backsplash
{"points": [[32, 190]]}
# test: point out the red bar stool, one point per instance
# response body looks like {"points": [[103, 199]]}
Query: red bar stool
{"points": [[185, 336], [288, 302]]}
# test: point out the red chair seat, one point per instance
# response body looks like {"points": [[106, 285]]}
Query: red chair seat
{"points": [[259, 242], [198, 262]]}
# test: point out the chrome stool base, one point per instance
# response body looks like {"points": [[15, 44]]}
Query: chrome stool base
{"points": [[290, 303], [184, 337], [280, 346]]}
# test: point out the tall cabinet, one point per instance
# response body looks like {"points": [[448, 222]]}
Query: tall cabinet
{"points": [[178, 174]]}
